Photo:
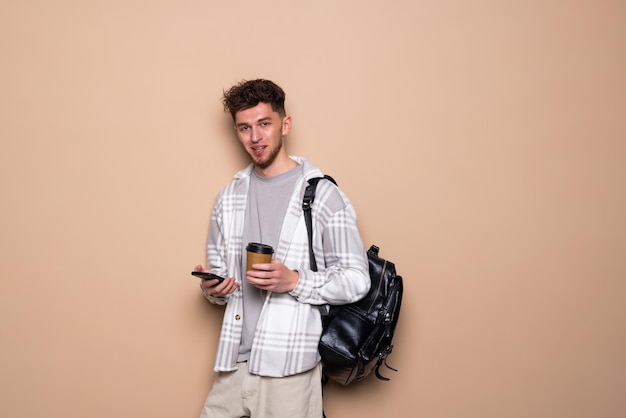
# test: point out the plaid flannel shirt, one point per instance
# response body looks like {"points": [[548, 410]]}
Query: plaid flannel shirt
{"points": [[289, 327]]}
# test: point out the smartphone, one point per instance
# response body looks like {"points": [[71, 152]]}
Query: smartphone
{"points": [[207, 276]]}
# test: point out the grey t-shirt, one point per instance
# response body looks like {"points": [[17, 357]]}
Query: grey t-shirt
{"points": [[268, 199]]}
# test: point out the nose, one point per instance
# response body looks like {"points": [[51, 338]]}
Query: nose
{"points": [[255, 135]]}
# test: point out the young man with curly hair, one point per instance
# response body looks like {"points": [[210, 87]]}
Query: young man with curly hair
{"points": [[267, 362]]}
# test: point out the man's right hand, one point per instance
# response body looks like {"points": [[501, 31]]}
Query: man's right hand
{"points": [[213, 289]]}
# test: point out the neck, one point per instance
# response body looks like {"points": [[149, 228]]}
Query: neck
{"points": [[279, 166]]}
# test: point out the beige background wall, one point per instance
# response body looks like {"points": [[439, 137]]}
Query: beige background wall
{"points": [[482, 143]]}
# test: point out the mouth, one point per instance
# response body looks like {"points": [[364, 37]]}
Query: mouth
{"points": [[258, 150]]}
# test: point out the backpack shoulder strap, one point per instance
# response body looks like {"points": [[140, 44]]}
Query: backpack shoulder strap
{"points": [[307, 202]]}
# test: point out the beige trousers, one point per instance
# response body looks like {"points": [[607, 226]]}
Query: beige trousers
{"points": [[240, 394]]}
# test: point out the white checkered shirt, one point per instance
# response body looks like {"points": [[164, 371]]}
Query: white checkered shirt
{"points": [[289, 327]]}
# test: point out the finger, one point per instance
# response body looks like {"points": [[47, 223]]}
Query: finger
{"points": [[260, 271], [262, 267], [226, 287], [233, 286]]}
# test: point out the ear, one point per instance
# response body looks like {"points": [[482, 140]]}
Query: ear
{"points": [[286, 125]]}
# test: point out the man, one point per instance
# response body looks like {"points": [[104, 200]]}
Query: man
{"points": [[267, 360]]}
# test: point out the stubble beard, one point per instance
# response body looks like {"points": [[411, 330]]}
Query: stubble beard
{"points": [[271, 157]]}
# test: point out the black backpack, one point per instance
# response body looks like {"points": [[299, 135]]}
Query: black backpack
{"points": [[357, 337]]}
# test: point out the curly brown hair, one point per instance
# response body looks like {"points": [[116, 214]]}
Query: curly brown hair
{"points": [[247, 94]]}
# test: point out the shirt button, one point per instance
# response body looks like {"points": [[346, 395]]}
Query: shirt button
{"points": [[237, 317]]}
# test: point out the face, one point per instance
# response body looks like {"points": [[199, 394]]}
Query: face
{"points": [[260, 130]]}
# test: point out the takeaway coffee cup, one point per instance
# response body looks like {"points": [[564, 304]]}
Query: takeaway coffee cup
{"points": [[257, 254]]}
